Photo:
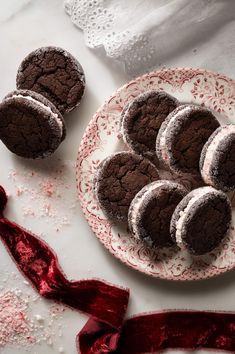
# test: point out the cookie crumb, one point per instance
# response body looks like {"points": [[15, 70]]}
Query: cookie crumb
{"points": [[39, 318]]}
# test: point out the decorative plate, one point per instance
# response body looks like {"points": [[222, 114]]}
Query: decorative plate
{"points": [[102, 138]]}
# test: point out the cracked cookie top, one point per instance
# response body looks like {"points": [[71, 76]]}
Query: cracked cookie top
{"points": [[30, 125], [55, 74], [182, 136], [201, 220], [119, 178], [151, 210], [142, 118]]}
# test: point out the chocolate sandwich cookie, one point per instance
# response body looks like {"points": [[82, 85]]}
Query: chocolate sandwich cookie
{"points": [[119, 177], [201, 220], [54, 73], [217, 162], [151, 210], [142, 118], [182, 136], [30, 125]]}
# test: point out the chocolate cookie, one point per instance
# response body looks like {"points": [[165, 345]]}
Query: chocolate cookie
{"points": [[119, 177], [217, 162], [182, 136], [151, 210], [142, 118], [30, 125], [54, 73], [201, 220]]}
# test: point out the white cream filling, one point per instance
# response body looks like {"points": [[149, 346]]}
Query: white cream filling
{"points": [[137, 205], [198, 194], [213, 146], [162, 143], [122, 131], [122, 128], [46, 108]]}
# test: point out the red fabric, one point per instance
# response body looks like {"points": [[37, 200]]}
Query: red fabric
{"points": [[106, 331], [156, 332], [39, 264], [178, 329]]}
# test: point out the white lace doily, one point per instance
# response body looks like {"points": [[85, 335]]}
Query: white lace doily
{"points": [[147, 34]]}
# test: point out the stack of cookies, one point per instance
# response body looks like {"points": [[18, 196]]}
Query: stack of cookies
{"points": [[162, 133], [50, 83]]}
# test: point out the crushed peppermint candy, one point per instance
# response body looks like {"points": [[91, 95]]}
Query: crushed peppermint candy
{"points": [[19, 328], [15, 326], [48, 192]]}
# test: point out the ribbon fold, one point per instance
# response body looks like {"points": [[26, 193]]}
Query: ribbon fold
{"points": [[106, 331]]}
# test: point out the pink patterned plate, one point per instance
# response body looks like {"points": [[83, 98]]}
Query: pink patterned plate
{"points": [[101, 138]]}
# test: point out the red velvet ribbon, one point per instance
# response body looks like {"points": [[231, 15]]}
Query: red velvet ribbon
{"points": [[106, 331]]}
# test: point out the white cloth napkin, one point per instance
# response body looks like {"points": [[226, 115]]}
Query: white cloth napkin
{"points": [[148, 34]]}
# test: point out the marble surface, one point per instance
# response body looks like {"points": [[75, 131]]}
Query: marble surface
{"points": [[43, 193]]}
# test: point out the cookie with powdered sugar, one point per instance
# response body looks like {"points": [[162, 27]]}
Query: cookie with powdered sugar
{"points": [[151, 210], [54, 73], [119, 178], [182, 136], [30, 125], [201, 220], [142, 118], [217, 162]]}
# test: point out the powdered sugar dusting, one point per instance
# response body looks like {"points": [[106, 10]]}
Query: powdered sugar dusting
{"points": [[47, 192]]}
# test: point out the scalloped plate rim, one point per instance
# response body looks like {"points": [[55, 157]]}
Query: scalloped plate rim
{"points": [[202, 71]]}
